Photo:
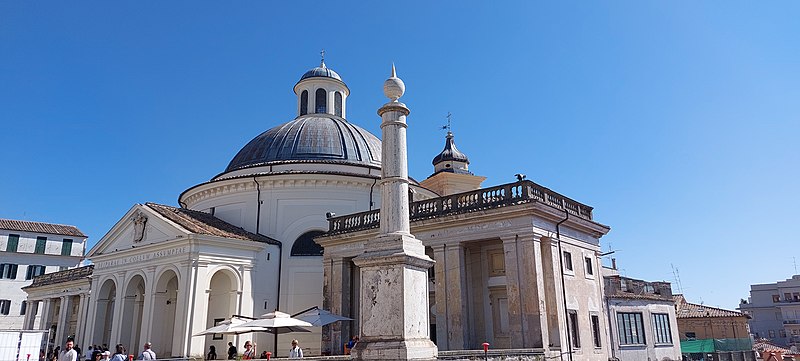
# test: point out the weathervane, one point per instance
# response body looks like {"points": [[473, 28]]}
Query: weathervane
{"points": [[448, 122]]}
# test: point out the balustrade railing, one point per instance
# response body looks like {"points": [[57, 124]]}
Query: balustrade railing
{"points": [[499, 196]]}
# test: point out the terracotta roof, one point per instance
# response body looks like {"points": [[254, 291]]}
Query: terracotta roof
{"points": [[643, 296], [685, 309], [62, 276], [204, 223], [765, 345], [40, 227]]}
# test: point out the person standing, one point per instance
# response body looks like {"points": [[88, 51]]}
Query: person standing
{"points": [[119, 354], [68, 354], [147, 353], [249, 351], [231, 351], [296, 351], [212, 353]]}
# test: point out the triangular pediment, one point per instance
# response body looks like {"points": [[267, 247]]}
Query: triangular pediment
{"points": [[140, 226]]}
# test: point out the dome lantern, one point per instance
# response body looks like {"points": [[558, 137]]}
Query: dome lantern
{"points": [[321, 91]]}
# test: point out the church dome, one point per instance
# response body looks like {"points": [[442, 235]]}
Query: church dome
{"points": [[313, 137], [450, 152], [321, 72]]}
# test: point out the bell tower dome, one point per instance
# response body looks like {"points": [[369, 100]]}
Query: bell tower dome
{"points": [[321, 91], [451, 171]]}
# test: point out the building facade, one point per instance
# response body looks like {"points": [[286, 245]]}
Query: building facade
{"points": [[643, 321], [29, 249], [774, 309]]}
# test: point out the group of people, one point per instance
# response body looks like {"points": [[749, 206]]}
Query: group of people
{"points": [[94, 353], [250, 351]]}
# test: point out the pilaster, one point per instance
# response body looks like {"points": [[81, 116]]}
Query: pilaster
{"points": [[552, 273], [63, 315], [451, 297]]}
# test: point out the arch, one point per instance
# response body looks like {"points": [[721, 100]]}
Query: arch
{"points": [[305, 245], [321, 101], [223, 292], [132, 310], [304, 102], [165, 301], [104, 314], [337, 103]]}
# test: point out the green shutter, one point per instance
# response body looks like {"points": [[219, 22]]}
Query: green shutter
{"points": [[13, 243], [66, 247], [41, 242]]}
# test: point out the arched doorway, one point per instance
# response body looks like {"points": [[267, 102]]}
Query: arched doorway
{"points": [[164, 308], [222, 301], [132, 308], [104, 317]]}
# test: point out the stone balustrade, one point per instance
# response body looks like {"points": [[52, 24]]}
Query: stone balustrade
{"points": [[485, 198]]}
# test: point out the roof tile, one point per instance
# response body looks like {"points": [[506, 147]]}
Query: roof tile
{"points": [[40, 227], [204, 223]]}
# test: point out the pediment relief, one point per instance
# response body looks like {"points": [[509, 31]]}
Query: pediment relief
{"points": [[140, 226]]}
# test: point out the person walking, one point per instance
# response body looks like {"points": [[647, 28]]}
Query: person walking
{"points": [[68, 354], [296, 351], [147, 353], [231, 351]]}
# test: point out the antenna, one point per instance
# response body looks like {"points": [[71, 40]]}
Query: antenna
{"points": [[448, 116], [677, 277], [794, 260]]}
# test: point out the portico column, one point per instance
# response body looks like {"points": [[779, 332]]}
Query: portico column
{"points": [[554, 300], [119, 305], [80, 325], [451, 297], [149, 302], [337, 299], [61, 327], [44, 321], [523, 273]]}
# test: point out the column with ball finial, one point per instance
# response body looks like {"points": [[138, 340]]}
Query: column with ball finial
{"points": [[394, 268]]}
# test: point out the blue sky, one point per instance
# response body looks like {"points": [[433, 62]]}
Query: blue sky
{"points": [[678, 121]]}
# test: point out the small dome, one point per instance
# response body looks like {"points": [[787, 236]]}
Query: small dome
{"points": [[321, 72], [316, 137], [450, 152]]}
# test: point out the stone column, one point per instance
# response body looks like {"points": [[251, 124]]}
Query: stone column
{"points": [[63, 317], [525, 291], [119, 305], [44, 321], [80, 325], [149, 303], [451, 298], [554, 300], [394, 280], [337, 299]]}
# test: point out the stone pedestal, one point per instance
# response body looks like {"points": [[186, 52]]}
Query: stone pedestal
{"points": [[394, 301]]}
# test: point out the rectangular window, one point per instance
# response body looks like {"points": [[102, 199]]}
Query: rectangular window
{"points": [[661, 330], [771, 333], [66, 247], [574, 331], [23, 308], [33, 271], [5, 307], [787, 296], [568, 261], [589, 268], [782, 333], [776, 298], [13, 243], [41, 242], [596, 331], [8, 271], [631, 329]]}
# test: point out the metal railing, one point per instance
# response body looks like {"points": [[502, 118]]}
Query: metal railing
{"points": [[485, 198]]}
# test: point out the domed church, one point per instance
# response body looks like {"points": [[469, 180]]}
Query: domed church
{"points": [[250, 241]]}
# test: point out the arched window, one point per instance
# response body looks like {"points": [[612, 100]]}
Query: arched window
{"points": [[305, 245], [322, 101], [304, 102], [337, 103]]}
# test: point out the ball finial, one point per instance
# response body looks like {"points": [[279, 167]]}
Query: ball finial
{"points": [[394, 87]]}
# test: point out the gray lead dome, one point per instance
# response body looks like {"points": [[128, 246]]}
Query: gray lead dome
{"points": [[317, 137], [321, 71]]}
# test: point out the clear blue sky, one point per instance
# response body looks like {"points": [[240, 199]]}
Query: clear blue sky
{"points": [[678, 121]]}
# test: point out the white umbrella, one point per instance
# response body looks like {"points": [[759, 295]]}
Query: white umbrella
{"points": [[318, 317], [233, 326], [278, 322]]}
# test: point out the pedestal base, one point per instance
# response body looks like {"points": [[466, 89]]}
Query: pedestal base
{"points": [[394, 301], [422, 350]]}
